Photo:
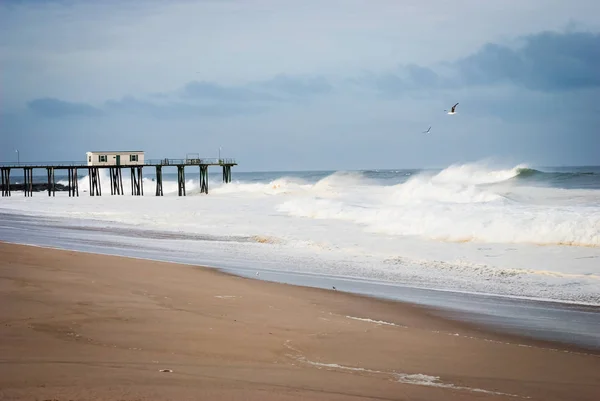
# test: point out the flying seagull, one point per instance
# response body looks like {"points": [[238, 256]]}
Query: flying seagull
{"points": [[452, 111], [428, 129]]}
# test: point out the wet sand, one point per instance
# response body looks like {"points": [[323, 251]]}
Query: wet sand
{"points": [[77, 326]]}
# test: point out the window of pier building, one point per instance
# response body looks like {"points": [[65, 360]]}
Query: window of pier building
{"points": [[133, 158], [102, 158]]}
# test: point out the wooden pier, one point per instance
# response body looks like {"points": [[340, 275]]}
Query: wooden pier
{"points": [[115, 175]]}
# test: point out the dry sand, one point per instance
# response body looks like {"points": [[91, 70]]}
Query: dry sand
{"points": [[77, 326]]}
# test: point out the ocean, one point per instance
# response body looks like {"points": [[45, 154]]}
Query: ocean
{"points": [[512, 233]]}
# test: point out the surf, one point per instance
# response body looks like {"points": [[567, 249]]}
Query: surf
{"points": [[465, 203]]}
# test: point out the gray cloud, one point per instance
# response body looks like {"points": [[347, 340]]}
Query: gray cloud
{"points": [[546, 61], [56, 108], [177, 109], [402, 81], [280, 88], [206, 99]]}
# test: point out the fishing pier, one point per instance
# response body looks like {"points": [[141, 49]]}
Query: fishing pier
{"points": [[112, 161]]}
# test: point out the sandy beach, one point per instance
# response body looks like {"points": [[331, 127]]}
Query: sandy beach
{"points": [[77, 326]]}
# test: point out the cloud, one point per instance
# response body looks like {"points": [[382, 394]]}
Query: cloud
{"points": [[207, 99], [56, 108], [401, 81], [280, 88], [546, 62], [130, 105]]}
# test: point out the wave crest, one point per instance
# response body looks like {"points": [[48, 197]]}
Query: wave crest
{"points": [[283, 185], [335, 183], [460, 204], [476, 174]]}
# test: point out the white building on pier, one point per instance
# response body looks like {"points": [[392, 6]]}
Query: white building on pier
{"points": [[115, 158]]}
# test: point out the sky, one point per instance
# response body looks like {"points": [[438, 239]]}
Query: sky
{"points": [[303, 84]]}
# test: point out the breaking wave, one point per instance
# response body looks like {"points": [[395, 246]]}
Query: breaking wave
{"points": [[464, 203]]}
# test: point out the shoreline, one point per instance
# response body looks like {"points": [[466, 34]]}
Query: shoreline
{"points": [[458, 317], [486, 322], [499, 270], [556, 302], [81, 326]]}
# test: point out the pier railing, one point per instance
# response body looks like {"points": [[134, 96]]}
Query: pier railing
{"points": [[150, 162], [44, 164], [207, 161]]}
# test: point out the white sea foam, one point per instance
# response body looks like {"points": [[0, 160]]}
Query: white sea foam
{"points": [[434, 381], [467, 227], [455, 205], [377, 322], [283, 185], [476, 174], [417, 379]]}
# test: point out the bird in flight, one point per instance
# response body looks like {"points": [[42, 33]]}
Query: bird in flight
{"points": [[428, 129], [453, 110]]}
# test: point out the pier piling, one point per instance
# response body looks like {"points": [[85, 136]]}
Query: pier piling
{"points": [[73, 182], [116, 181], [181, 180], [28, 181], [204, 179], [137, 185], [94, 178], [51, 181], [226, 174], [5, 172], [159, 188]]}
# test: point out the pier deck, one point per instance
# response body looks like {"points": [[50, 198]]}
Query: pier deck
{"points": [[115, 175]]}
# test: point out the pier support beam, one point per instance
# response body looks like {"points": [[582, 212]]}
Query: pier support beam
{"points": [[137, 185], [73, 182], [226, 174], [94, 178], [204, 179], [51, 182], [28, 181], [116, 181], [5, 172], [159, 189], [181, 180]]}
